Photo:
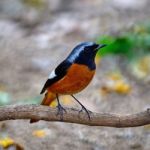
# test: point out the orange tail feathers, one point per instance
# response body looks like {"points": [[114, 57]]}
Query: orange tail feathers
{"points": [[48, 99]]}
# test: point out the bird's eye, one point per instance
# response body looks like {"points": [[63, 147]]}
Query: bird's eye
{"points": [[86, 48], [90, 47]]}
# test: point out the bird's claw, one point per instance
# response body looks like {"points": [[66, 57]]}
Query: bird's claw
{"points": [[87, 111], [60, 111]]}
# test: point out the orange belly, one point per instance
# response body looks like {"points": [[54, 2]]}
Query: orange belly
{"points": [[76, 79]]}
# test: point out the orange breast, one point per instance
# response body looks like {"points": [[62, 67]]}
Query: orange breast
{"points": [[76, 79]]}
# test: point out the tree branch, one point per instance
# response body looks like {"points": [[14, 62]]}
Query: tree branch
{"points": [[13, 112]]}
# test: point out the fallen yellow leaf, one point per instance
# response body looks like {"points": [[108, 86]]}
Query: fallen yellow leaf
{"points": [[65, 100], [53, 104], [115, 82], [122, 87], [39, 133], [6, 142]]}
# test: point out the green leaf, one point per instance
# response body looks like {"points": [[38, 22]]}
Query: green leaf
{"points": [[120, 45], [131, 44], [5, 98]]}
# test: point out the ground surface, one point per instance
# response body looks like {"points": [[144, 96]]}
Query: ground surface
{"points": [[31, 48]]}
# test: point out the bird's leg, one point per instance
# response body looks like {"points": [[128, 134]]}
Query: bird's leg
{"points": [[60, 108], [87, 111]]}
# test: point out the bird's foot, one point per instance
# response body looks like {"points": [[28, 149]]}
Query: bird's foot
{"points": [[87, 111], [60, 111]]}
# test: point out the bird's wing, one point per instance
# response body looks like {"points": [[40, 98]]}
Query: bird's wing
{"points": [[56, 74]]}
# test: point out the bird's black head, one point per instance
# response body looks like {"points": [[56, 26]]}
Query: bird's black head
{"points": [[85, 53]]}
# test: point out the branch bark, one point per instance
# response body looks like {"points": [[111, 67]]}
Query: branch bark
{"points": [[14, 112]]}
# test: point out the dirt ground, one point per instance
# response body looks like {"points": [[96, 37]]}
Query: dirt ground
{"points": [[32, 43]]}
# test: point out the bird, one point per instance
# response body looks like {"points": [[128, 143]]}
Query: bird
{"points": [[71, 76]]}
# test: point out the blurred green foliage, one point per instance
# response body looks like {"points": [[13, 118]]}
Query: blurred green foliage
{"points": [[34, 3], [32, 100], [5, 98], [132, 44]]}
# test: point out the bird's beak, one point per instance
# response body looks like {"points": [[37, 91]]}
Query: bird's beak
{"points": [[101, 46], [98, 46]]}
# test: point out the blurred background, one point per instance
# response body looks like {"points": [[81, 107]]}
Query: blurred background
{"points": [[35, 35]]}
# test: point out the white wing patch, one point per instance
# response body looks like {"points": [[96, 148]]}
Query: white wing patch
{"points": [[52, 75]]}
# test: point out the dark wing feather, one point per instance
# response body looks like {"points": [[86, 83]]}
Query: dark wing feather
{"points": [[48, 83], [60, 72]]}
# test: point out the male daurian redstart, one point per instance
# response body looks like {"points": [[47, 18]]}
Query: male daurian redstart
{"points": [[72, 75]]}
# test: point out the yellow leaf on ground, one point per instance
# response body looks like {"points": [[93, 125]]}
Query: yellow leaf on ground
{"points": [[115, 82], [122, 87], [53, 104], [6, 142], [39, 133], [65, 100]]}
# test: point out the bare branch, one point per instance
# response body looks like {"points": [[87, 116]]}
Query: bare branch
{"points": [[14, 112]]}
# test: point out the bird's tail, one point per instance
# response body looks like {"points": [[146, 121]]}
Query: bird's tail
{"points": [[47, 100]]}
